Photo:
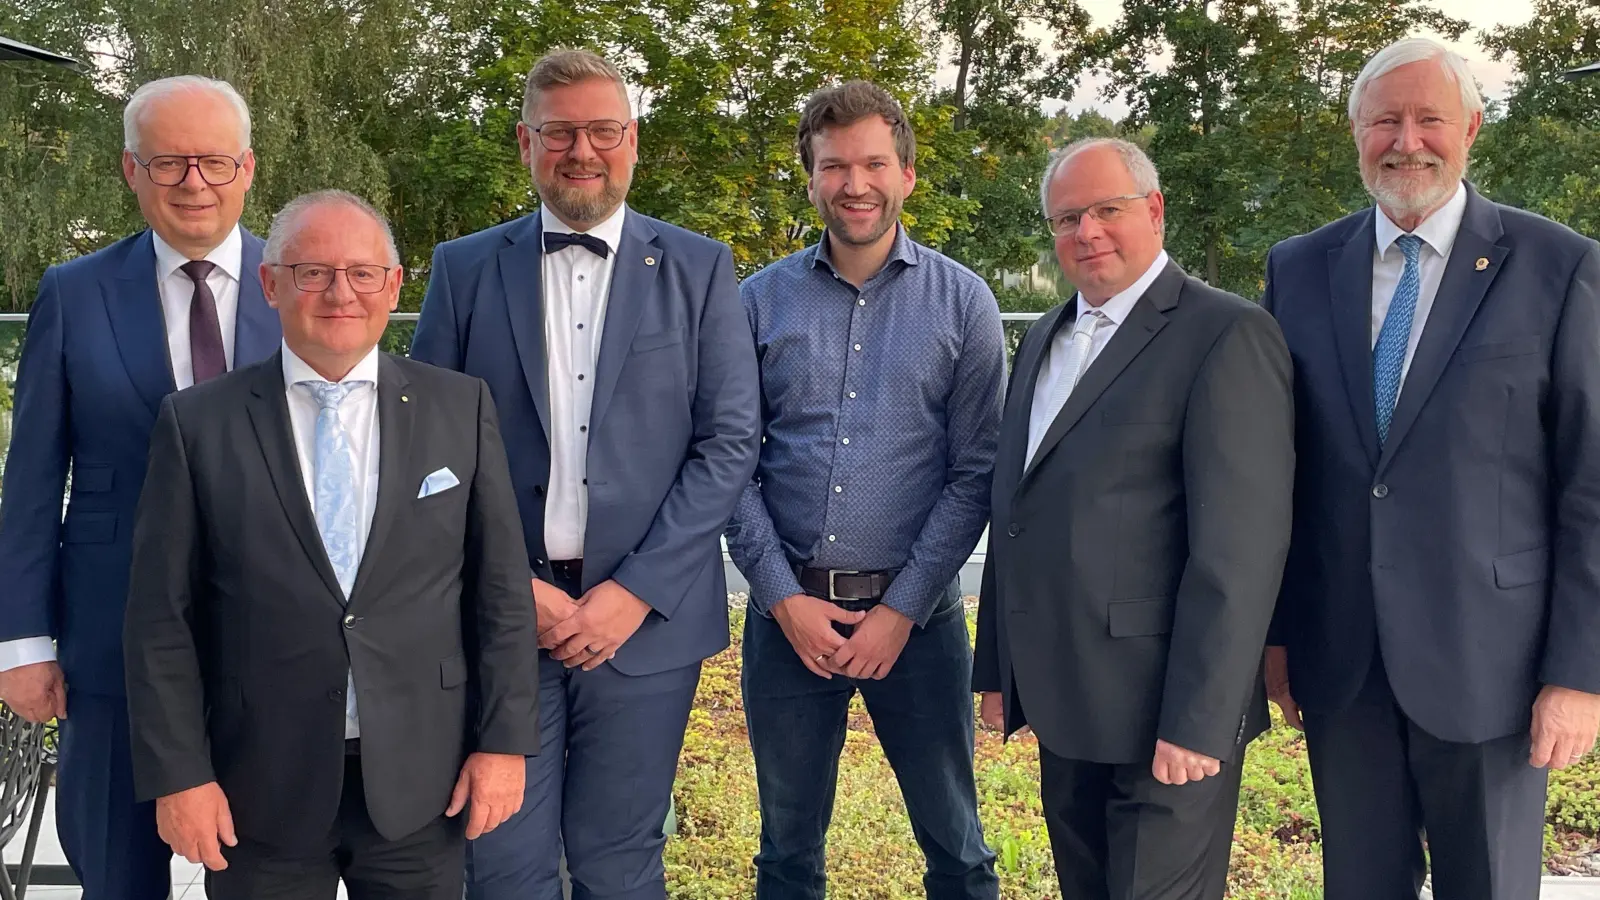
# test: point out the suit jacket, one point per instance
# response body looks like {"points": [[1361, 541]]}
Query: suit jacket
{"points": [[94, 369], [1132, 568], [238, 637], [1467, 547], [675, 428]]}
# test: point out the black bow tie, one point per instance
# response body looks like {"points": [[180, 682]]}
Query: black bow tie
{"points": [[555, 240]]}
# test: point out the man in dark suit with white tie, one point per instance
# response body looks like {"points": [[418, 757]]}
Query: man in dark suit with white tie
{"points": [[1140, 519], [1439, 626], [330, 648], [110, 335]]}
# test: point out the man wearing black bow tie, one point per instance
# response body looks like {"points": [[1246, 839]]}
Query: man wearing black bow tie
{"points": [[624, 371]]}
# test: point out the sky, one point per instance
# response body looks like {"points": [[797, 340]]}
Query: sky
{"points": [[1482, 14]]}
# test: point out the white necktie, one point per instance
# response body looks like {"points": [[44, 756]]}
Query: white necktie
{"points": [[1077, 363]]}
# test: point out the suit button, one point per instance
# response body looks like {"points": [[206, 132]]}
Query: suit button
{"points": [[1014, 529], [336, 695], [1380, 491], [349, 621]]}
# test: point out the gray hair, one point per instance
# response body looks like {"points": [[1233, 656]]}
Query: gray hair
{"points": [[1145, 177], [1414, 50], [287, 220], [564, 66], [162, 88]]}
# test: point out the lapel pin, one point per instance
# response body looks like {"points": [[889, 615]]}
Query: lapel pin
{"points": [[1482, 263], [649, 260], [404, 399]]}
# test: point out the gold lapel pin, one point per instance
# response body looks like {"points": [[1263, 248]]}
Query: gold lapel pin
{"points": [[1482, 263], [649, 260]]}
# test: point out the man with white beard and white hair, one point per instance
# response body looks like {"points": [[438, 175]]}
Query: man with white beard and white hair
{"points": [[1436, 630]]}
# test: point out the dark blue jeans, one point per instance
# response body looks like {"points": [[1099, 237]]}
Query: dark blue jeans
{"points": [[922, 713]]}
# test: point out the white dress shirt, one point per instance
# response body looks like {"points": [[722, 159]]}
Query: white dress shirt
{"points": [[1438, 233], [1054, 366], [176, 291], [359, 414], [576, 286]]}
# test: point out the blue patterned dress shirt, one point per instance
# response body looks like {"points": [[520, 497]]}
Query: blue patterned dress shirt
{"points": [[880, 413]]}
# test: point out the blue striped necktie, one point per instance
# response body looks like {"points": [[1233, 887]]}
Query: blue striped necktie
{"points": [[1389, 354]]}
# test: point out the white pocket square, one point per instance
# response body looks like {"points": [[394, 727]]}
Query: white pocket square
{"points": [[442, 480]]}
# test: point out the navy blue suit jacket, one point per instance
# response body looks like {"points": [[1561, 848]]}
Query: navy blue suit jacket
{"points": [[675, 428], [1467, 547], [94, 369]]}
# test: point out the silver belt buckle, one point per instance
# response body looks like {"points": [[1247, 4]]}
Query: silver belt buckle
{"points": [[833, 585]]}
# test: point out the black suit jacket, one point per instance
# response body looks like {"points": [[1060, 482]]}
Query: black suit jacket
{"points": [[1132, 569], [1467, 547], [238, 641]]}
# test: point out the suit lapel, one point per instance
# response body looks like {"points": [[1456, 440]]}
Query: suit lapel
{"points": [[1030, 360], [394, 450], [632, 280], [522, 278], [268, 407], [257, 330], [1461, 292], [1350, 286], [1147, 317], [133, 303]]}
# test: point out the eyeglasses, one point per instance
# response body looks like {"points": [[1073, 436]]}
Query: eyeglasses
{"points": [[169, 171], [604, 134], [318, 277], [1105, 212]]}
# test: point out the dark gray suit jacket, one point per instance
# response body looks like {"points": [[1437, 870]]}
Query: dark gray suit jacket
{"points": [[1132, 569], [238, 639], [1467, 547]]}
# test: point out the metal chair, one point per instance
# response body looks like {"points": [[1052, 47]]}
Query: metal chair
{"points": [[27, 769]]}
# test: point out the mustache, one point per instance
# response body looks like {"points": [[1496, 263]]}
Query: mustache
{"points": [[1394, 157]]}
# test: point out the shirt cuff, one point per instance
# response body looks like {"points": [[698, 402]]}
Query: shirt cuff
{"points": [[26, 652], [772, 580]]}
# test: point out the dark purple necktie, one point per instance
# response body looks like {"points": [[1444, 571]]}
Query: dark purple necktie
{"points": [[205, 332]]}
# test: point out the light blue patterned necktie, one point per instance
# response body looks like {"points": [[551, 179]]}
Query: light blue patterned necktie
{"points": [[1389, 354], [337, 505]]}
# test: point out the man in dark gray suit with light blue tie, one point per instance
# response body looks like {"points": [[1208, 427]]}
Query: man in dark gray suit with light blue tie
{"points": [[1439, 620], [624, 371]]}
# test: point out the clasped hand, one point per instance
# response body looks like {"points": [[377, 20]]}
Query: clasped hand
{"points": [[588, 631]]}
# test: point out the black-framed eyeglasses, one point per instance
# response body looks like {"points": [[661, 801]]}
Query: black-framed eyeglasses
{"points": [[1105, 212], [314, 277], [604, 134], [168, 171]]}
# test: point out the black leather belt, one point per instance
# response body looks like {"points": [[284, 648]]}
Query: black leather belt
{"points": [[843, 584]]}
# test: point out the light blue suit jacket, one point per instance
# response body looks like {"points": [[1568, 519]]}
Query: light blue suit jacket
{"points": [[674, 432]]}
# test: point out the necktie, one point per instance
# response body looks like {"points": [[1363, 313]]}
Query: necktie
{"points": [[205, 332], [334, 478], [1389, 354], [1077, 362], [555, 240]]}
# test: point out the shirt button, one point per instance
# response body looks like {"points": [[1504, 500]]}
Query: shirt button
{"points": [[1380, 491], [349, 621], [580, 326], [838, 489], [832, 538], [861, 302], [845, 441], [584, 428], [858, 348], [852, 395], [580, 377]]}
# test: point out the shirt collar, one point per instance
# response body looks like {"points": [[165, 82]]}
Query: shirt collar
{"points": [[1121, 304], [609, 231], [296, 369], [227, 256], [1437, 231], [904, 250]]}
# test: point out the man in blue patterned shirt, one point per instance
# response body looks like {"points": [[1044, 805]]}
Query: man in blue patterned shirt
{"points": [[882, 372]]}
